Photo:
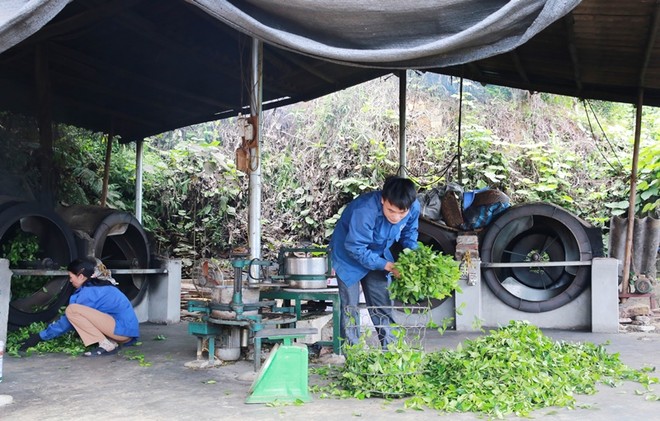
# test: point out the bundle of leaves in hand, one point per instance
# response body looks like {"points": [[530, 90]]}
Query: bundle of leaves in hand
{"points": [[425, 274]]}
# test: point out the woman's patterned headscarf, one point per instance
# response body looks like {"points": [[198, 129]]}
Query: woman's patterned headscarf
{"points": [[103, 273]]}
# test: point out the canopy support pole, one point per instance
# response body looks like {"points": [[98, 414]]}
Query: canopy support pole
{"points": [[625, 285], [403, 81], [138, 179], [44, 157], [254, 210], [459, 150]]}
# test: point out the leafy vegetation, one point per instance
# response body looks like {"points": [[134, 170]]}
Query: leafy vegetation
{"points": [[136, 355], [648, 189], [18, 247], [425, 274], [513, 370], [396, 372], [69, 343], [318, 155], [517, 369]]}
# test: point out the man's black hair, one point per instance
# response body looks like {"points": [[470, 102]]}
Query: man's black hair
{"points": [[400, 192]]}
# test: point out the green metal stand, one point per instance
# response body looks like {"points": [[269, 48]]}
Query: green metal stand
{"points": [[203, 331], [296, 296]]}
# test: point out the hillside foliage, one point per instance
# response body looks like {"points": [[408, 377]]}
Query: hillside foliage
{"points": [[316, 156]]}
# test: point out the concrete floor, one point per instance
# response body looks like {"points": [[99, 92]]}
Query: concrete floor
{"points": [[59, 387]]}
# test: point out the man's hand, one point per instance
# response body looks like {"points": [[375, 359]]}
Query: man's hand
{"points": [[30, 342], [389, 266]]}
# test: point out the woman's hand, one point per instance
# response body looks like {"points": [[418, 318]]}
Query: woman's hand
{"points": [[30, 342]]}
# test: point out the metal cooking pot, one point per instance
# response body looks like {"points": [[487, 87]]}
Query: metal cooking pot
{"points": [[306, 265]]}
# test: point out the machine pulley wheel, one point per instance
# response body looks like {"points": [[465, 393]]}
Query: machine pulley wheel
{"points": [[57, 247], [115, 237], [536, 233]]}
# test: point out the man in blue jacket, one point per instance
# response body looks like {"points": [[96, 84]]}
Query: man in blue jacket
{"points": [[361, 254]]}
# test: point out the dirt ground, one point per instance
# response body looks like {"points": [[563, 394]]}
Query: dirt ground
{"points": [[639, 314], [159, 380]]}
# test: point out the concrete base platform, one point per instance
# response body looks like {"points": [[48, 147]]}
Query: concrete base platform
{"points": [[59, 387]]}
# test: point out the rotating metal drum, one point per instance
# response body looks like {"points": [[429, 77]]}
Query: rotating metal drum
{"points": [[115, 237], [439, 238], [31, 221], [535, 257], [302, 269]]}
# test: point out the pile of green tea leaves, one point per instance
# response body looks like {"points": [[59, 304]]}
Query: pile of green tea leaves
{"points": [[514, 370], [69, 343], [395, 372], [424, 274]]}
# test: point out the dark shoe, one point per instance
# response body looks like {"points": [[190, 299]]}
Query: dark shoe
{"points": [[131, 342], [100, 352]]}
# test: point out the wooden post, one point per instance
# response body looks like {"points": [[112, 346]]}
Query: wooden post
{"points": [[44, 156], [106, 169], [625, 285]]}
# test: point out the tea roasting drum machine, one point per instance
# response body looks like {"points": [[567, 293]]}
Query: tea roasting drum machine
{"points": [[230, 321]]}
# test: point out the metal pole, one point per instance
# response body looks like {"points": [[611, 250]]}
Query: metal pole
{"points": [[625, 286], [403, 79], [138, 180], [459, 150], [254, 211], [5, 293]]}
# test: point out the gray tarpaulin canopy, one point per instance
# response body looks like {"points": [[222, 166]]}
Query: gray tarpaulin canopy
{"points": [[138, 68], [392, 34]]}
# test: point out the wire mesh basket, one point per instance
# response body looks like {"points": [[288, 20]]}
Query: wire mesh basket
{"points": [[376, 327], [385, 358]]}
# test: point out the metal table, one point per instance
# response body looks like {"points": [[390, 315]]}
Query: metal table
{"points": [[296, 296]]}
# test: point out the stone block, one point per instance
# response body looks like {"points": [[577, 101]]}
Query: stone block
{"points": [[317, 321]]}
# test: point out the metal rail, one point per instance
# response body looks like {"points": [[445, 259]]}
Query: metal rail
{"points": [[535, 264], [50, 272]]}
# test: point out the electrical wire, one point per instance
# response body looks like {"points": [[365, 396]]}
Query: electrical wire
{"points": [[604, 134], [438, 175], [457, 157], [261, 269], [593, 135]]}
